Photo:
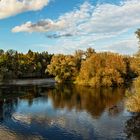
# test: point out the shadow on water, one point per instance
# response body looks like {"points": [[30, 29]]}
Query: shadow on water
{"points": [[64, 112]]}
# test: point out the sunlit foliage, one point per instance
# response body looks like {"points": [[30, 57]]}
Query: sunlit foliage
{"points": [[63, 67], [133, 101], [83, 67], [104, 69], [93, 69]]}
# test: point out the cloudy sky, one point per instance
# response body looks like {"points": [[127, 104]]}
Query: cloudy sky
{"points": [[63, 26]]}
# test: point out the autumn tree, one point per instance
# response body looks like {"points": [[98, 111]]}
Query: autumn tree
{"points": [[63, 67], [103, 69]]}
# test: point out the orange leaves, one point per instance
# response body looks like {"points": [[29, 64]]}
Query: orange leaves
{"points": [[102, 69], [93, 69], [63, 67]]}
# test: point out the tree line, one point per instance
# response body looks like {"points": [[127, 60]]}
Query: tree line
{"points": [[133, 101], [83, 67], [15, 65], [95, 69]]}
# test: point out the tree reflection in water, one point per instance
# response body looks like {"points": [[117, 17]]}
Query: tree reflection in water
{"points": [[9, 96], [100, 104], [94, 101]]}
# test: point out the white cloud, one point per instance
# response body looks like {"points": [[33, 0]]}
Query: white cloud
{"points": [[68, 46], [128, 46], [65, 23], [102, 19], [109, 18], [88, 24], [12, 7]]}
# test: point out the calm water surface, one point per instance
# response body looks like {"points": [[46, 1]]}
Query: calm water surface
{"points": [[66, 112]]}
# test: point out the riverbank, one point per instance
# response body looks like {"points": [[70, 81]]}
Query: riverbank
{"points": [[20, 82]]}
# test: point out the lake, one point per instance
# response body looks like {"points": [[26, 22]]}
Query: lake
{"points": [[33, 110]]}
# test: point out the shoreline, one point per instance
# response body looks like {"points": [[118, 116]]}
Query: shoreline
{"points": [[20, 82]]}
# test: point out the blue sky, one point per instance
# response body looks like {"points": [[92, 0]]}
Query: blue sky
{"points": [[63, 26]]}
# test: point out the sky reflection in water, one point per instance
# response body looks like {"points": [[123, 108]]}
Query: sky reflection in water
{"points": [[64, 112]]}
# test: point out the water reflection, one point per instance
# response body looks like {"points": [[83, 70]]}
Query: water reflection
{"points": [[94, 101], [63, 112], [133, 127]]}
